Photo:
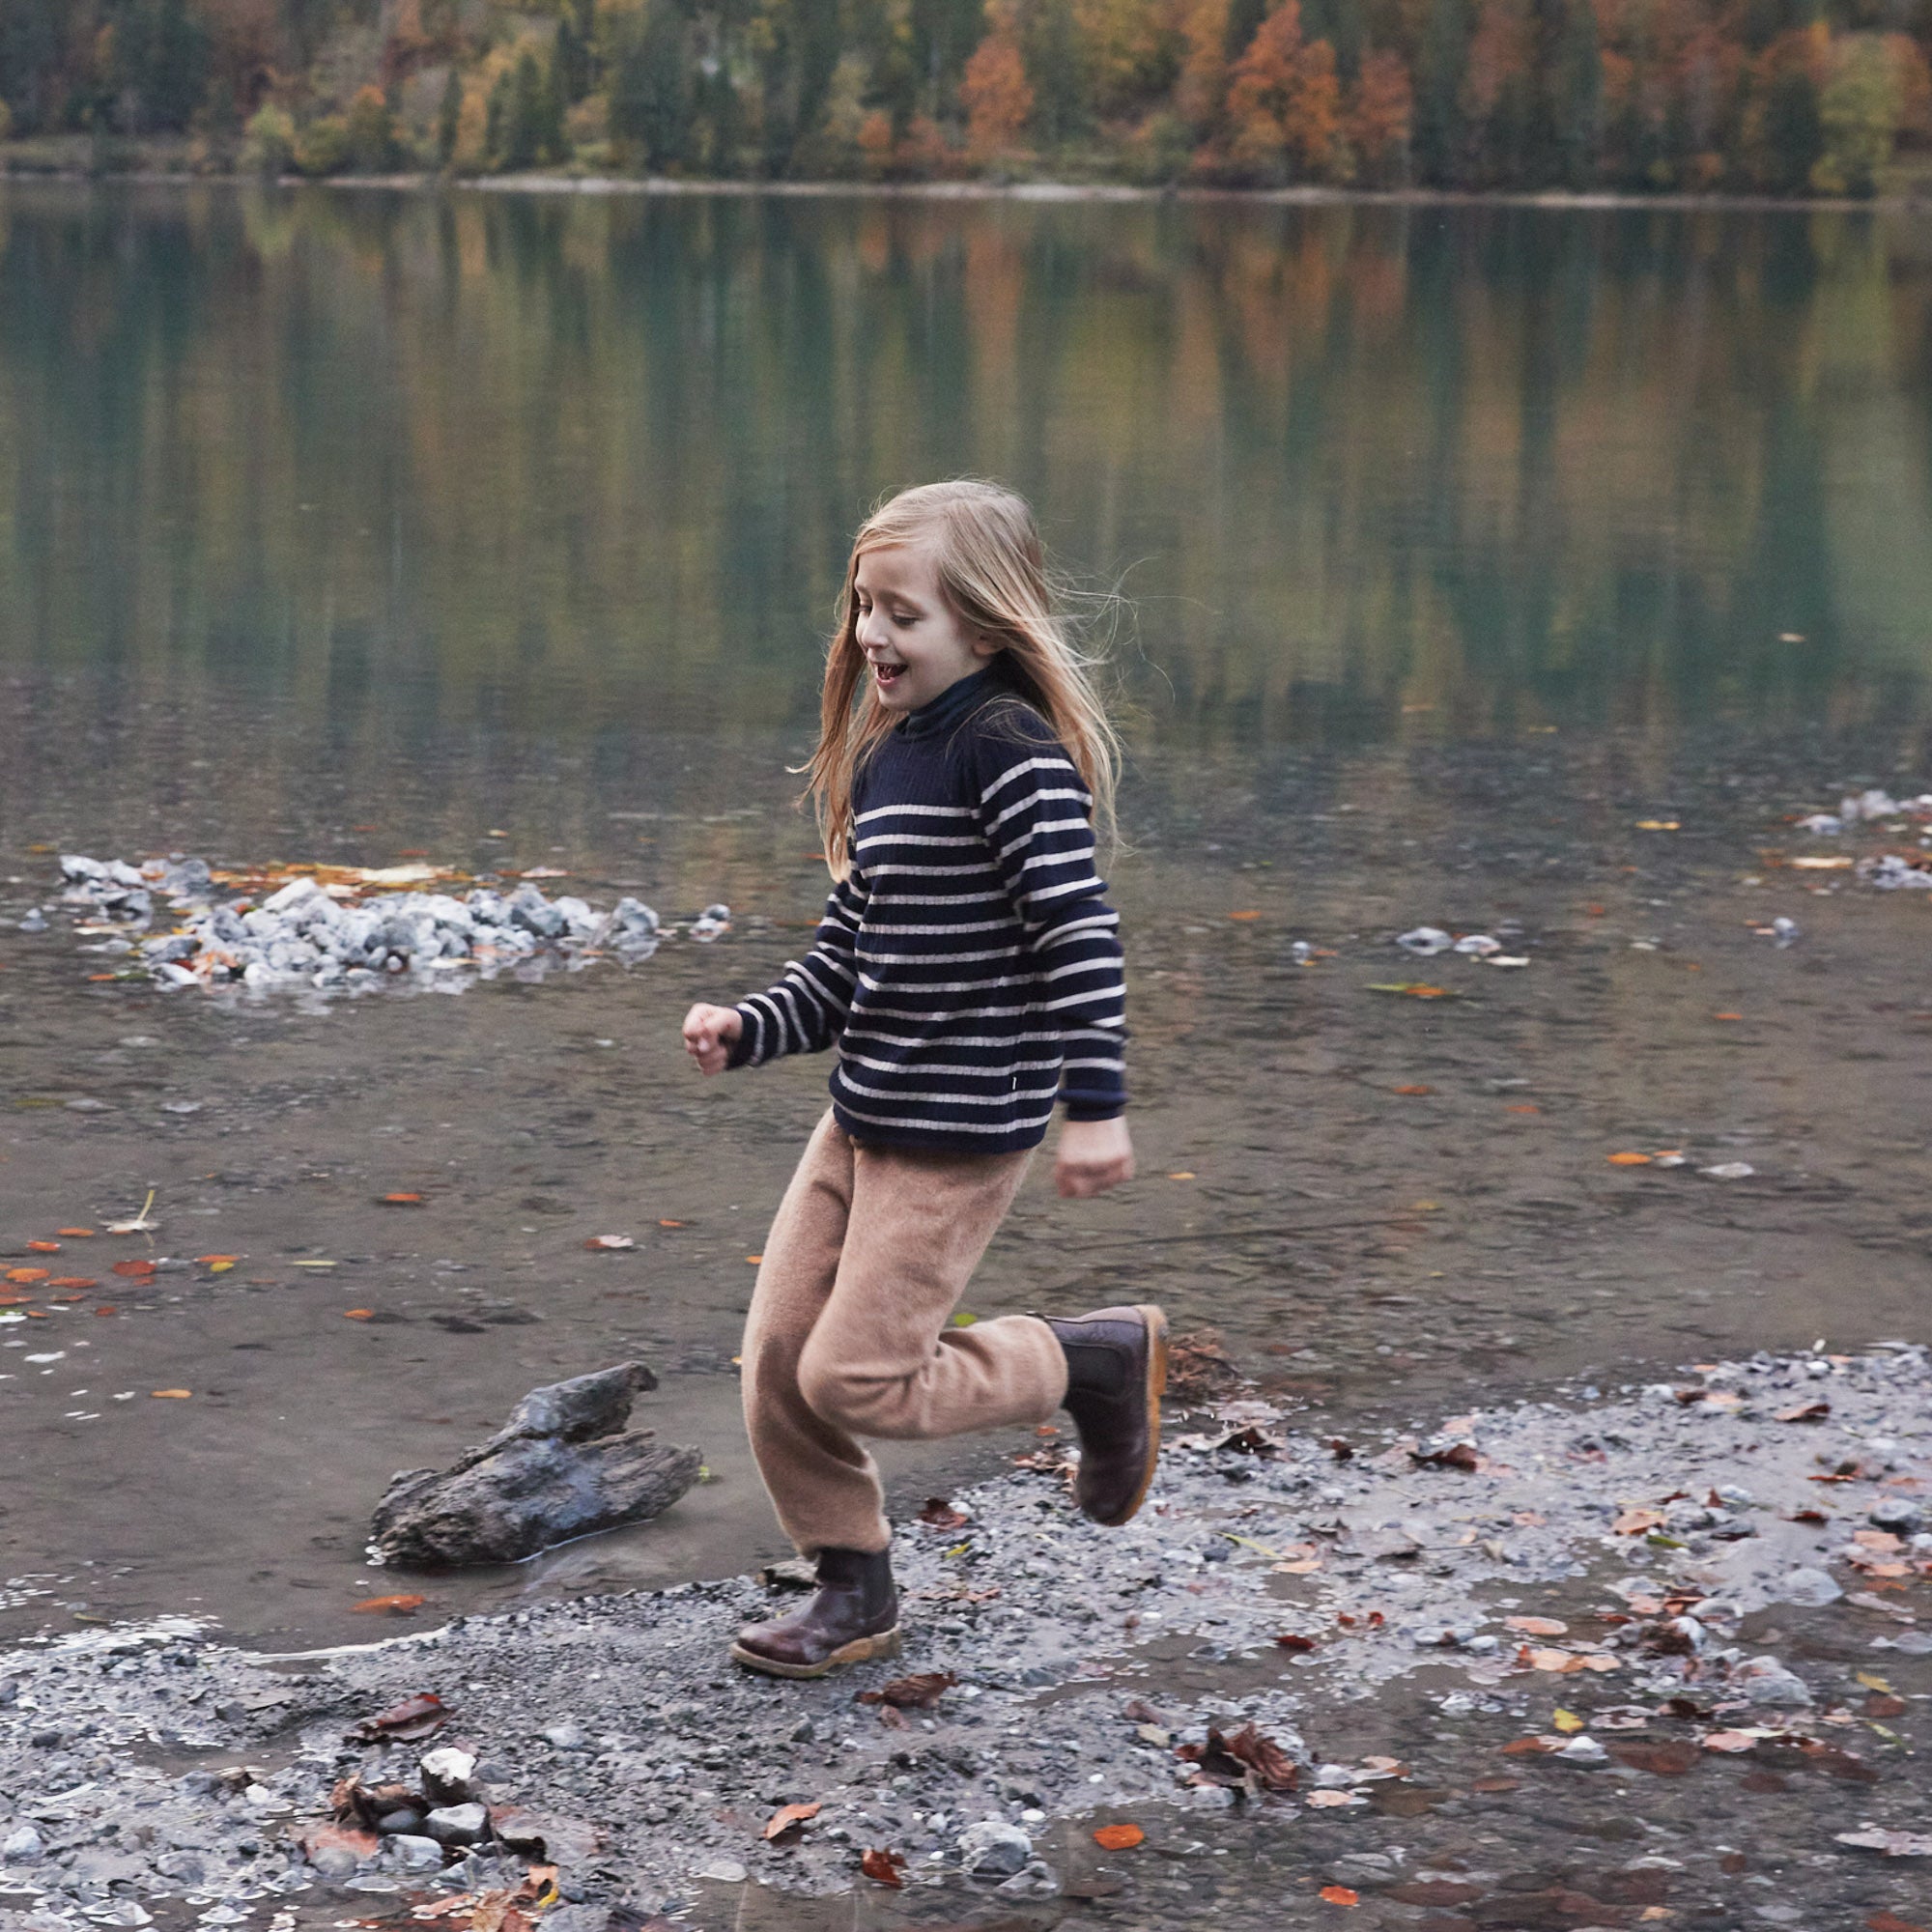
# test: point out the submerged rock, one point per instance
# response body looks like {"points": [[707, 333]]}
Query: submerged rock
{"points": [[563, 1465]]}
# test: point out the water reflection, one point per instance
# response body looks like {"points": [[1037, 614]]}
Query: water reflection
{"points": [[412, 464]]}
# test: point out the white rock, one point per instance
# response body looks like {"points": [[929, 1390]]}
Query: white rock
{"points": [[725, 1872], [457, 1823], [411, 1852], [21, 1846], [1807, 1587], [993, 1849], [1425, 939]]}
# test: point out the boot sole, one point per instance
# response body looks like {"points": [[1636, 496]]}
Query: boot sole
{"points": [[1156, 1386], [860, 1650]]}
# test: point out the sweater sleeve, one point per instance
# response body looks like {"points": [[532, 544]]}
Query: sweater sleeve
{"points": [[1033, 811], [806, 1010]]}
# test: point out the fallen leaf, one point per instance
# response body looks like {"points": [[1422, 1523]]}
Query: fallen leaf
{"points": [[171, 1395], [939, 1514], [1538, 1626], [134, 1269], [1729, 1741], [1338, 1894], [73, 1281], [1727, 1017], [1272, 1768], [1524, 1107], [1871, 1680], [755, 1260], [399, 1200], [1118, 1838], [919, 1693], [1416, 1088], [1568, 1721], [1658, 825], [673, 1224], [1183, 1174], [615, 1244], [109, 1310], [1457, 1455], [43, 1247], [398, 1605], [1635, 1522], [25, 1275], [1890, 1921], [75, 1234], [1805, 1411], [1413, 989], [359, 1315], [1524, 1747], [1332, 1801], [1494, 1784], [416, 1717], [1628, 1157], [1244, 914], [217, 1260], [1293, 1640], [883, 1868], [1665, 1760], [312, 1265], [785, 1825]]}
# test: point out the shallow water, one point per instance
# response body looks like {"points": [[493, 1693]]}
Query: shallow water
{"points": [[344, 527]]}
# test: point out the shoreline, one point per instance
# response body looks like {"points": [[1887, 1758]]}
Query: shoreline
{"points": [[1043, 193], [1702, 1610]]}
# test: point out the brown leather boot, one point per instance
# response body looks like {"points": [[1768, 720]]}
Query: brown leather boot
{"points": [[1115, 1373], [853, 1616]]}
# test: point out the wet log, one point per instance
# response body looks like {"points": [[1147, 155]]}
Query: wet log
{"points": [[563, 1465]]}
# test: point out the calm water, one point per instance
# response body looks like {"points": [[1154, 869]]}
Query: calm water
{"points": [[410, 465], [504, 531]]}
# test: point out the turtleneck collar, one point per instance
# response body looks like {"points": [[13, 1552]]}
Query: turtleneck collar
{"points": [[953, 704]]}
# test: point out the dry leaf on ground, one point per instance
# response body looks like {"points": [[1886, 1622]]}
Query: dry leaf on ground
{"points": [[883, 1868], [1118, 1838]]}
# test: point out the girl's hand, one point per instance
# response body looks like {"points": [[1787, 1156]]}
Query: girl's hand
{"points": [[1092, 1157], [708, 1036]]}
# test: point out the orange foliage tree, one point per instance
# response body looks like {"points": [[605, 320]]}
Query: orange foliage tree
{"points": [[997, 97], [1381, 105], [1285, 102]]}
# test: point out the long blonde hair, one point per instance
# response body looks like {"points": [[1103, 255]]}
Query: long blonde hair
{"points": [[992, 569]]}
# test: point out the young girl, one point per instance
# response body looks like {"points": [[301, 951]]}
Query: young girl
{"points": [[968, 970]]}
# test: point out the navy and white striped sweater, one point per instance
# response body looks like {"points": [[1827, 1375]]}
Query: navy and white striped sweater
{"points": [[968, 966]]}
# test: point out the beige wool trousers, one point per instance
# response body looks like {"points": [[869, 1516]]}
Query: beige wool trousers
{"points": [[847, 1336]]}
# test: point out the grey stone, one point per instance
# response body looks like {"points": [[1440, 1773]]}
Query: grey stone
{"points": [[456, 1824], [1808, 1588], [1899, 1515], [725, 1872], [994, 1850], [565, 1737], [23, 1846], [562, 1466], [413, 1853], [334, 1861], [1763, 1680]]}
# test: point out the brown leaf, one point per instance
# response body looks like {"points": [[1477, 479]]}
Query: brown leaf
{"points": [[397, 1606], [43, 1247], [939, 1514], [1272, 1768], [364, 1843], [172, 1395], [75, 1234], [1805, 1411], [1118, 1838], [399, 1200], [787, 1824], [134, 1268], [24, 1276], [1293, 1640], [1523, 1747], [417, 1717], [1890, 1921], [1415, 1088], [1458, 1455], [883, 1868], [893, 1718], [919, 1693], [1538, 1626], [359, 1315], [73, 1281], [1670, 1760]]}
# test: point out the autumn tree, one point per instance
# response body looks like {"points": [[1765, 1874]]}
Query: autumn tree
{"points": [[1380, 111], [1285, 102], [1858, 112], [997, 97]]}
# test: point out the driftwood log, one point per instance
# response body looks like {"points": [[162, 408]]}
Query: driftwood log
{"points": [[563, 1465]]}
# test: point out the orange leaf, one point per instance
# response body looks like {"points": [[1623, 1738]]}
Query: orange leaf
{"points": [[109, 1310], [26, 1274], [1244, 914], [1411, 1090], [1524, 1107], [755, 1260], [1727, 1017], [135, 1268], [787, 1818], [883, 1868], [72, 1281], [1538, 1626], [1338, 1894], [398, 1605], [217, 1260], [358, 1314], [673, 1224], [401, 1200], [75, 1234], [1118, 1838], [170, 1395], [1628, 1158], [43, 1247], [1523, 1747]]}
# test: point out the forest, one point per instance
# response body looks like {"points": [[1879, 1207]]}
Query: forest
{"points": [[1784, 97]]}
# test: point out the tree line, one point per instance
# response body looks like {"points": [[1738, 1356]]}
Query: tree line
{"points": [[1777, 97]]}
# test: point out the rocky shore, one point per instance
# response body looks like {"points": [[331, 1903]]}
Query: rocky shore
{"points": [[1722, 1577]]}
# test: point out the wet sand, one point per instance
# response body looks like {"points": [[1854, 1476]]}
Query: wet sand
{"points": [[1361, 1248]]}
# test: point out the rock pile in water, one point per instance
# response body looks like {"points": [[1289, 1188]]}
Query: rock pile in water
{"points": [[343, 930]]}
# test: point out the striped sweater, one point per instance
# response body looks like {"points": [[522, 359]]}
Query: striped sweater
{"points": [[968, 966]]}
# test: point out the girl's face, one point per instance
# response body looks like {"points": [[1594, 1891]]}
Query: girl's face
{"points": [[915, 641]]}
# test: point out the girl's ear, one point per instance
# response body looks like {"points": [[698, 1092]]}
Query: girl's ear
{"points": [[985, 645]]}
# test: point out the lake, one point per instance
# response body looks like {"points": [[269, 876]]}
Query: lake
{"points": [[1447, 556]]}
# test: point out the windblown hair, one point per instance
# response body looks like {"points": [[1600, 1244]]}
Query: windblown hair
{"points": [[992, 570]]}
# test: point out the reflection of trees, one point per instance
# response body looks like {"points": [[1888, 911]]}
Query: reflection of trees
{"points": [[592, 461]]}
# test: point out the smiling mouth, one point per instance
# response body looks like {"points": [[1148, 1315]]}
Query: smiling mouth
{"points": [[888, 674]]}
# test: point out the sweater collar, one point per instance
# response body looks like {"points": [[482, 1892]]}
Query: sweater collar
{"points": [[953, 704]]}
